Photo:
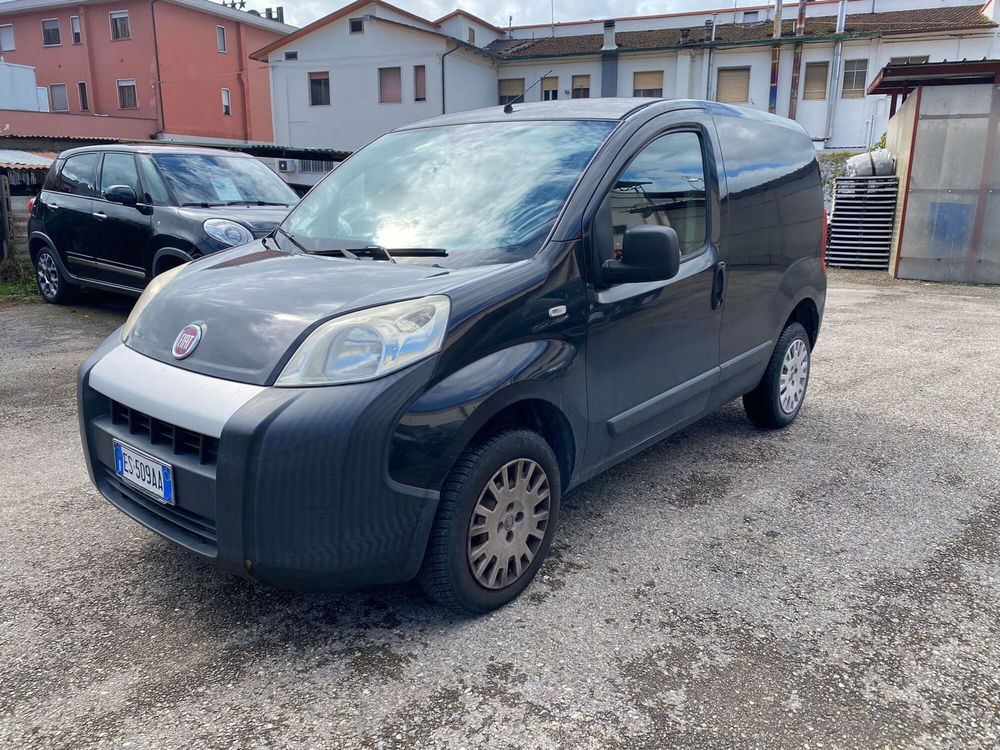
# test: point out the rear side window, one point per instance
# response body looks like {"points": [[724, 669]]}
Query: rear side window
{"points": [[78, 175], [119, 169], [52, 177], [155, 189], [664, 184]]}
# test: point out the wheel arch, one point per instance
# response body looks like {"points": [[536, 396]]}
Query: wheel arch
{"points": [[168, 257]]}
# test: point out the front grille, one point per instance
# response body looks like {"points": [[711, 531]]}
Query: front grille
{"points": [[181, 440], [197, 532]]}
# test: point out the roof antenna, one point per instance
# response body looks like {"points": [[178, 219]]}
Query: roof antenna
{"points": [[509, 106]]}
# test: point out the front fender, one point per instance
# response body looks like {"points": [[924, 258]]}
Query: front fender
{"points": [[439, 425]]}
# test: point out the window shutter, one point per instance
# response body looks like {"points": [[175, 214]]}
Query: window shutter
{"points": [[815, 85], [651, 80], [581, 82], [550, 84], [511, 86], [390, 85], [734, 85]]}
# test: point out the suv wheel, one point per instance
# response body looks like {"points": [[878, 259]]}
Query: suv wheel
{"points": [[776, 400], [494, 524], [51, 284]]}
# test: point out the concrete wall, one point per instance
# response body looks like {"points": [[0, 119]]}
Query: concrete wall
{"points": [[55, 124]]}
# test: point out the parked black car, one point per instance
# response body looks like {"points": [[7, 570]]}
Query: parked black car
{"points": [[469, 317], [113, 217]]}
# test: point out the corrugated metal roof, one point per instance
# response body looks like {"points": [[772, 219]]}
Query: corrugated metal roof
{"points": [[14, 159]]}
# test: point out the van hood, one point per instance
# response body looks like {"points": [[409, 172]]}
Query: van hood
{"points": [[256, 303], [260, 220]]}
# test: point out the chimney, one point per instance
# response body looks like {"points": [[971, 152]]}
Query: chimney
{"points": [[685, 36], [777, 18], [267, 13], [279, 14], [708, 30], [609, 36]]}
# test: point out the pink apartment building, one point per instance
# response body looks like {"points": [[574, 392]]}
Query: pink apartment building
{"points": [[152, 68]]}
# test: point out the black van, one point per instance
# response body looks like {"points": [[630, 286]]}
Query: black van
{"points": [[113, 217], [469, 317]]}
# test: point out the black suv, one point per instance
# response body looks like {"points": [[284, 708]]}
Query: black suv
{"points": [[113, 217]]}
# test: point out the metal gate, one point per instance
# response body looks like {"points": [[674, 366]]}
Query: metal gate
{"points": [[861, 222]]}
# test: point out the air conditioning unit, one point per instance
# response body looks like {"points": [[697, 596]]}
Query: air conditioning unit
{"points": [[286, 165]]}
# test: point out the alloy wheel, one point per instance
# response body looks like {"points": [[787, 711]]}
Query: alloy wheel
{"points": [[508, 523], [48, 275], [794, 376]]}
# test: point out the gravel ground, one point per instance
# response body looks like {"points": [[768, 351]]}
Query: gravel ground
{"points": [[831, 585]]}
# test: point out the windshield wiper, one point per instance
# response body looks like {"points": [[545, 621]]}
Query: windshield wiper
{"points": [[203, 204], [417, 252], [294, 241], [253, 203]]}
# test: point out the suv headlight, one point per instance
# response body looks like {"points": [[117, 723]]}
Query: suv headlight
{"points": [[227, 232], [154, 287], [368, 344]]}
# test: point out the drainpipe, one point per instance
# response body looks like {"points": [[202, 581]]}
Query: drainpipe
{"points": [[160, 123], [800, 29], [710, 57], [772, 97], [443, 110], [838, 51]]}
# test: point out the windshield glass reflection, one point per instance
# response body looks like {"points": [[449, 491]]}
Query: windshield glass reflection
{"points": [[485, 193], [214, 180]]}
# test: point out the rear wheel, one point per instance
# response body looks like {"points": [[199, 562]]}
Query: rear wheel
{"points": [[52, 285], [494, 524], [776, 400]]}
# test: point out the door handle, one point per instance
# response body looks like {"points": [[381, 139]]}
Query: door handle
{"points": [[52, 205], [100, 215], [719, 286]]}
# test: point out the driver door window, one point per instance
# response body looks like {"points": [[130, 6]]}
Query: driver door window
{"points": [[119, 169], [663, 185]]}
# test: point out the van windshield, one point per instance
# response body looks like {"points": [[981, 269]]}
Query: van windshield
{"points": [[219, 180], [474, 194]]}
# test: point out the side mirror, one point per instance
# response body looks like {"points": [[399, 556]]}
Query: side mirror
{"points": [[121, 194], [649, 253]]}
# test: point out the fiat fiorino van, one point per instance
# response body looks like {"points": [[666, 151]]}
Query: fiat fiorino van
{"points": [[469, 317]]}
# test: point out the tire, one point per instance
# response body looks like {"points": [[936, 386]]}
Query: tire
{"points": [[516, 459], [773, 403], [52, 285]]}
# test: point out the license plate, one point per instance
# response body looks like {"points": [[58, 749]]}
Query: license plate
{"points": [[145, 472]]}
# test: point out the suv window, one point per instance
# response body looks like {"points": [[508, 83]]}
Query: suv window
{"points": [[78, 175], [156, 188], [664, 184], [119, 169]]}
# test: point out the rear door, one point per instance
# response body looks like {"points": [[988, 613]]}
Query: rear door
{"points": [[121, 233], [67, 213], [653, 347]]}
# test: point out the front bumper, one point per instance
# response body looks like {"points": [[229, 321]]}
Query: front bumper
{"points": [[288, 486]]}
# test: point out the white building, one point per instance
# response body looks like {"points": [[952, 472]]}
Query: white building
{"points": [[370, 66]]}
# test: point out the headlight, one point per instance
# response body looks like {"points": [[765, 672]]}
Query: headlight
{"points": [[154, 287], [227, 232], [369, 343]]}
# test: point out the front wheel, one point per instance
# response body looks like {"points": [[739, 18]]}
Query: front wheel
{"points": [[51, 284], [494, 523], [776, 400]]}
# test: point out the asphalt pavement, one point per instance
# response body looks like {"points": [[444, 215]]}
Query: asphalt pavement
{"points": [[833, 585]]}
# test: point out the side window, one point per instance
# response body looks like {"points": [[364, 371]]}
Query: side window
{"points": [[156, 190], [119, 169], [664, 184], [79, 175]]}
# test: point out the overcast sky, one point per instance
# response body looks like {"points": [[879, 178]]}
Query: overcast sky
{"points": [[302, 12]]}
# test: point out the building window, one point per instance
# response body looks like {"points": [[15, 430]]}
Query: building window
{"points": [[357, 25], [58, 97], [120, 28], [291, 55], [50, 33], [550, 89], [650, 193], [855, 72], [7, 38], [81, 89], [511, 89], [227, 103], [390, 86], [648, 84], [316, 166], [911, 60], [74, 29], [472, 35], [815, 84], [749, 16], [319, 89], [127, 98], [733, 85], [419, 83], [220, 38], [581, 87]]}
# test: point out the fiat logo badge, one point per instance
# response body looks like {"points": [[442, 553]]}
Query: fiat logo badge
{"points": [[186, 341]]}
